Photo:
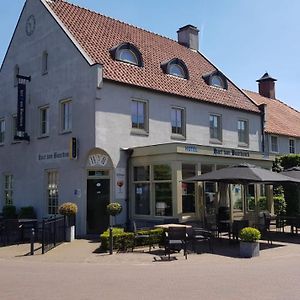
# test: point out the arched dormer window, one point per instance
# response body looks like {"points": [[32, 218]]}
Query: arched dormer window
{"points": [[16, 72], [175, 67], [216, 79], [128, 53]]}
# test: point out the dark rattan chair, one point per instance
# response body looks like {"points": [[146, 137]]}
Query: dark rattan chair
{"points": [[201, 235], [176, 240]]}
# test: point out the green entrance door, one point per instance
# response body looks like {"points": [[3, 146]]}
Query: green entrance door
{"points": [[97, 199]]}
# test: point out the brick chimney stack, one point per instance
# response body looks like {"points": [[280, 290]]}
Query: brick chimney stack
{"points": [[188, 37], [266, 86]]}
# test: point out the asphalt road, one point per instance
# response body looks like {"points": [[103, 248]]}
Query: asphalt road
{"points": [[135, 276]]}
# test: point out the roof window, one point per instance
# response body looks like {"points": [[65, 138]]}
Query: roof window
{"points": [[175, 67], [216, 79], [127, 53]]}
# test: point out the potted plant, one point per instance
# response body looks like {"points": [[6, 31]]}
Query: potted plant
{"points": [[69, 210], [249, 245]]}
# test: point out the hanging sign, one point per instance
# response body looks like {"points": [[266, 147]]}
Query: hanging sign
{"points": [[120, 183], [21, 107]]}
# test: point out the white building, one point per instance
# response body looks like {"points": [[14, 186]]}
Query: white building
{"points": [[145, 112]]}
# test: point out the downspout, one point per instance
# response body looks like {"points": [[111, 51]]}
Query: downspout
{"points": [[263, 109], [129, 153]]}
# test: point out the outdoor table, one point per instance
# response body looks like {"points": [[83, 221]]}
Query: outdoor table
{"points": [[283, 219], [166, 226]]}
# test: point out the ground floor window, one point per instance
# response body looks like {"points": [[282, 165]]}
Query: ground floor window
{"points": [[8, 189], [188, 188], [163, 199], [237, 197], [250, 197], [52, 192]]}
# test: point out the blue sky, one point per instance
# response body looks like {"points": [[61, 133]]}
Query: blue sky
{"points": [[243, 38]]}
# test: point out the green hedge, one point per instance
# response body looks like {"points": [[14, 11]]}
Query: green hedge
{"points": [[9, 211], [125, 240], [27, 212]]}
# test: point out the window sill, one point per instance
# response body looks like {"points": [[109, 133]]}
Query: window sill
{"points": [[66, 132], [215, 141], [43, 136], [44, 73], [136, 131], [175, 136], [243, 145]]}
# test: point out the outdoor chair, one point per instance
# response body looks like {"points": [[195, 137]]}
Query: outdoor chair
{"points": [[138, 238], [237, 226], [200, 235], [265, 229], [12, 230], [176, 240]]}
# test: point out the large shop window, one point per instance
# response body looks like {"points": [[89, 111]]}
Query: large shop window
{"points": [[237, 197], [142, 190], [163, 190], [8, 189], [188, 188], [52, 192], [250, 197]]}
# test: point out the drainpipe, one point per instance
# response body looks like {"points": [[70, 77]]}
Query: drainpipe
{"points": [[263, 109], [129, 153]]}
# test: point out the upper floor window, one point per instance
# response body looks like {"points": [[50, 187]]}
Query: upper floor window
{"points": [[66, 115], [292, 146], [274, 143], [16, 72], [215, 128], [45, 63], [139, 115], [8, 189], [175, 67], [178, 121], [2, 131], [216, 79], [128, 53], [44, 121], [243, 132]]}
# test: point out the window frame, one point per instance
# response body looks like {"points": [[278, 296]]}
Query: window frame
{"points": [[8, 190], [293, 146], [219, 138], [62, 104], [52, 201], [182, 134], [45, 62], [41, 133], [116, 51], [2, 132], [166, 65], [271, 144], [138, 130], [246, 130]]}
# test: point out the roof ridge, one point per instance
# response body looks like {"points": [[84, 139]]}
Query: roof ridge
{"points": [[273, 100], [119, 21]]}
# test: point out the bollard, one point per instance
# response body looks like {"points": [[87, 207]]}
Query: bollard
{"points": [[32, 239], [110, 241]]}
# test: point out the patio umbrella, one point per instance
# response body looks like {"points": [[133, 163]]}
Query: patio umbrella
{"points": [[292, 172], [244, 174]]}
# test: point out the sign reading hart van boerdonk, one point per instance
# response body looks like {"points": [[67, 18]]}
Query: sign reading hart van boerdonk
{"points": [[52, 156], [21, 107]]}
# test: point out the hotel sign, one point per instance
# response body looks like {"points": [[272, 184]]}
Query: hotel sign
{"points": [[53, 156], [21, 107], [231, 152]]}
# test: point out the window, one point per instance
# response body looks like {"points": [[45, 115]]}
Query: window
{"points": [[44, 121], [14, 127], [274, 143], [292, 146], [138, 115], [237, 197], [175, 67], [243, 132], [128, 53], [16, 72], [66, 116], [52, 192], [215, 129], [8, 189], [2, 131], [45, 63], [216, 79], [188, 188], [178, 121], [250, 194], [142, 190]]}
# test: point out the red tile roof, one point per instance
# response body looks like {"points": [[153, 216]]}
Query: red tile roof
{"points": [[281, 119], [97, 34]]}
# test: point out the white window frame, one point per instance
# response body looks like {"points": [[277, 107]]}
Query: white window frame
{"points": [[218, 139], [66, 123], [246, 132], [181, 134], [8, 189], [41, 121], [293, 146], [271, 144], [52, 191], [140, 130], [2, 131]]}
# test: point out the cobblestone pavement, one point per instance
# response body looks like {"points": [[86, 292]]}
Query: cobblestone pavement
{"points": [[78, 271]]}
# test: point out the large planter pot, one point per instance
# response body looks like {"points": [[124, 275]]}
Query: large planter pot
{"points": [[70, 233], [248, 249]]}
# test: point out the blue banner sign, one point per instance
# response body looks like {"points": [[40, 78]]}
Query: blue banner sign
{"points": [[21, 107]]}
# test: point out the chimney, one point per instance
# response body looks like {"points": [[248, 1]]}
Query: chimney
{"points": [[188, 37], [266, 86]]}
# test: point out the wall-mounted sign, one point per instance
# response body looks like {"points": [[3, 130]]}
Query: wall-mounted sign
{"points": [[98, 160], [231, 152], [191, 148], [21, 107], [52, 156], [120, 183]]}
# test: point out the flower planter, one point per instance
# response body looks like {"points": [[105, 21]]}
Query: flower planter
{"points": [[70, 233], [249, 249]]}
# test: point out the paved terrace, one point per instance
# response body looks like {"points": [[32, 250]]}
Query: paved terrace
{"points": [[78, 271]]}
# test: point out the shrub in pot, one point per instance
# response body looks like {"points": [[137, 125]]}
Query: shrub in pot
{"points": [[69, 210], [249, 245], [114, 209]]}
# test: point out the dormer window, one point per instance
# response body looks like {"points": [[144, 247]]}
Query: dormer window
{"points": [[175, 67], [216, 79], [127, 53]]}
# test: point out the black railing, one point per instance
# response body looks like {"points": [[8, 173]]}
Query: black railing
{"points": [[53, 233]]}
